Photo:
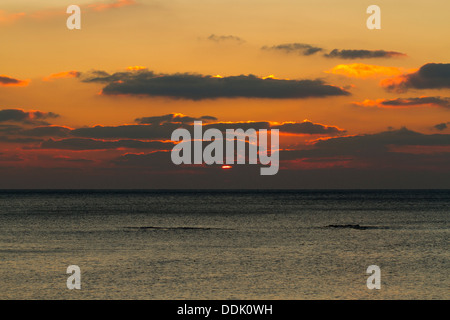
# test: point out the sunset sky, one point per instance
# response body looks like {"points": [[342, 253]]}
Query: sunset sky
{"points": [[95, 108]]}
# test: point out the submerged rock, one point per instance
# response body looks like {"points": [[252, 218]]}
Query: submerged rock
{"points": [[349, 226]]}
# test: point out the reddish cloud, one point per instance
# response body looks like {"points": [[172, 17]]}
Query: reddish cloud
{"points": [[136, 68], [112, 5], [173, 118], [363, 71], [62, 75], [6, 17], [95, 144], [161, 127], [406, 102], [399, 149], [109, 147], [412, 149]]}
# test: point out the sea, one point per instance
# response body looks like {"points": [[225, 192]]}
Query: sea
{"points": [[223, 244]]}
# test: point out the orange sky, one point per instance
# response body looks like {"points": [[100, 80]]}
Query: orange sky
{"points": [[47, 67]]}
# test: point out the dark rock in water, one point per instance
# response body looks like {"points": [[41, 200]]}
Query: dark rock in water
{"points": [[349, 226], [172, 228]]}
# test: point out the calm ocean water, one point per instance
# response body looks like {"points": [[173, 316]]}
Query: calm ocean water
{"points": [[224, 245]]}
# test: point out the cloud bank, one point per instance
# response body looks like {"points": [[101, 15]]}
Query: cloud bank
{"points": [[6, 81], [429, 76], [26, 117], [198, 87], [299, 48], [363, 54], [437, 101]]}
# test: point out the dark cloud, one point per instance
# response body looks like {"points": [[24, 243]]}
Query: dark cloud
{"points": [[19, 140], [399, 137], [223, 126], [10, 157], [305, 127], [9, 129], [441, 126], [148, 132], [364, 161], [154, 159], [222, 38], [198, 87], [172, 118], [26, 117], [104, 77], [308, 127], [372, 147], [47, 131], [299, 48], [63, 75], [164, 130], [363, 54], [19, 134], [92, 144], [8, 81], [74, 160], [213, 178], [380, 160], [438, 101], [429, 76], [307, 50], [160, 162]]}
